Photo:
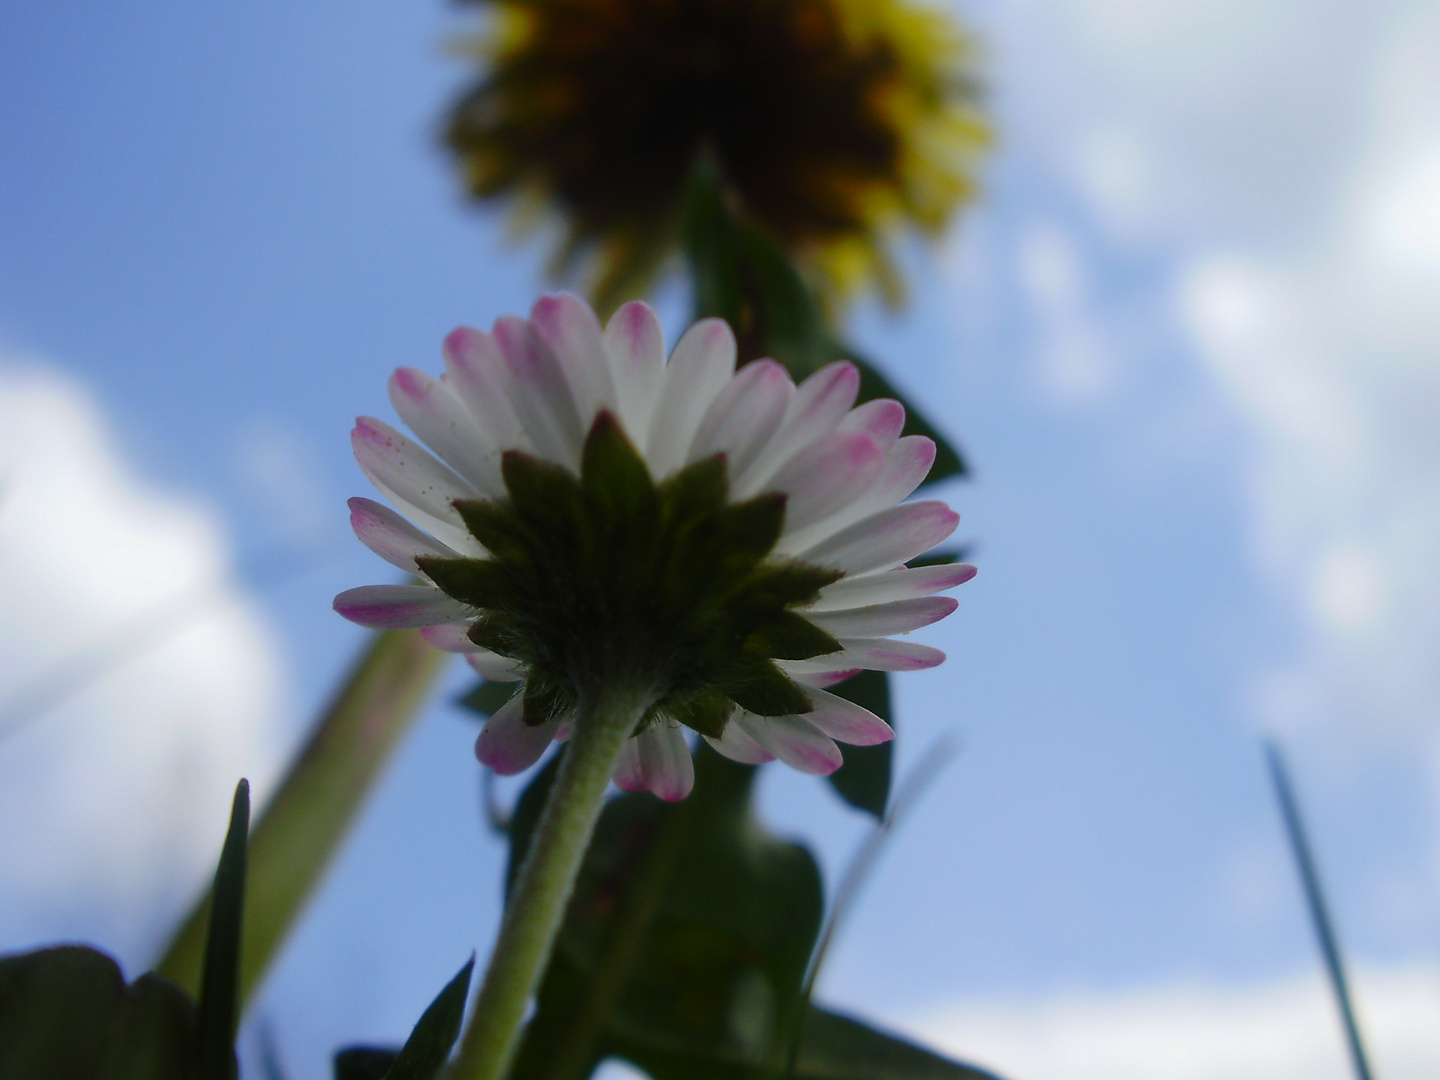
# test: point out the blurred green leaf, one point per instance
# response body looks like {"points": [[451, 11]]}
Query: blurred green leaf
{"points": [[364, 1062], [66, 1014], [742, 276], [219, 984], [429, 1044], [485, 699], [864, 780], [300, 830]]}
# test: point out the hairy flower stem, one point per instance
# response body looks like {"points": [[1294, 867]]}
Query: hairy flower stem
{"points": [[547, 877]]}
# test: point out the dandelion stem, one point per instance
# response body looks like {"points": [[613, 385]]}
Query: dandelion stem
{"points": [[542, 889]]}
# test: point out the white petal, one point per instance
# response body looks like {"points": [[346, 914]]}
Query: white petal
{"points": [[493, 666], [898, 584], [885, 539], [431, 409], [818, 405], [736, 745], [453, 637], [827, 476], [847, 722], [882, 419], [876, 654], [571, 332], [509, 745], [665, 761], [744, 418], [629, 775], [636, 344], [410, 476], [392, 537], [476, 372], [540, 393], [701, 365], [882, 620], [400, 607], [822, 679], [794, 740]]}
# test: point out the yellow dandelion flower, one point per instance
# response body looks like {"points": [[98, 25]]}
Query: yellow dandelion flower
{"points": [[832, 122]]}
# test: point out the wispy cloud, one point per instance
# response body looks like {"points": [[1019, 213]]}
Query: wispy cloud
{"points": [[137, 681]]}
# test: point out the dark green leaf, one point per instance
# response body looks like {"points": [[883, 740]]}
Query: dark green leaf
{"points": [[487, 697], [66, 1014], [219, 985], [429, 1044], [833, 1047], [364, 1062], [864, 780]]}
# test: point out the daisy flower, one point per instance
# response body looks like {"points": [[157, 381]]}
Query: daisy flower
{"points": [[724, 544]]}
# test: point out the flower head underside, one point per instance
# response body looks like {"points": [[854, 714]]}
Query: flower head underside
{"points": [[725, 541]]}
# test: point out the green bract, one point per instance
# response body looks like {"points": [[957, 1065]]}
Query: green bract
{"points": [[609, 577]]}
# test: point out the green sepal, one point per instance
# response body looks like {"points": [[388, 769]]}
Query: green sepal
{"points": [[787, 635], [748, 530], [789, 583], [698, 488], [706, 712], [546, 698], [481, 583], [497, 528], [545, 496], [614, 474], [767, 691], [865, 778]]}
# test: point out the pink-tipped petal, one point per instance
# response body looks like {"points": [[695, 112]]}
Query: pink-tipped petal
{"points": [[432, 410], [509, 745], [636, 344], [905, 467], [629, 775], [882, 620], [665, 761], [819, 677], [898, 584], [736, 745], [571, 332], [886, 654], [744, 418], [795, 741], [882, 419], [701, 365], [540, 393], [399, 607], [493, 666], [411, 477], [452, 637], [818, 405], [874, 654], [392, 537], [827, 476], [476, 371], [847, 722], [886, 539]]}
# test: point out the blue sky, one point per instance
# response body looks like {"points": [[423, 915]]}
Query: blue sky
{"points": [[1184, 341]]}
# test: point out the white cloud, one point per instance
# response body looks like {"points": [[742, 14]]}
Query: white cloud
{"points": [[1281, 1031], [122, 730]]}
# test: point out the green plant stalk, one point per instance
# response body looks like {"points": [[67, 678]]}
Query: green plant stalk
{"points": [[309, 815], [546, 880]]}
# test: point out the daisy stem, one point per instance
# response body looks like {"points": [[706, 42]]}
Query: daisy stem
{"points": [[543, 886]]}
